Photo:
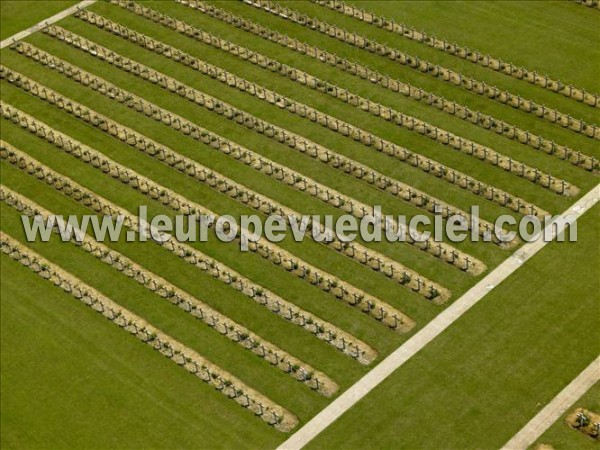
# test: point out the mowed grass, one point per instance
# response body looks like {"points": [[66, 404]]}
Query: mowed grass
{"points": [[488, 253], [533, 25], [562, 437], [505, 329], [488, 374], [237, 306], [19, 15], [300, 202], [71, 379], [184, 327], [317, 254], [327, 104], [389, 67], [255, 267]]}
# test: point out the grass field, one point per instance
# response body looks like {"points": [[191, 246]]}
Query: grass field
{"points": [[473, 387], [70, 380]]}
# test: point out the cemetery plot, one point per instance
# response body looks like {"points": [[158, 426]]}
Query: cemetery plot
{"points": [[253, 199], [585, 421], [474, 56], [225, 108], [395, 85], [294, 141], [424, 66], [217, 321], [178, 203], [205, 370], [366, 138]]}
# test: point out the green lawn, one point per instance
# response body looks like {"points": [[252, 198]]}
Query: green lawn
{"points": [[495, 27], [571, 49], [71, 379], [404, 254], [474, 386], [19, 15]]}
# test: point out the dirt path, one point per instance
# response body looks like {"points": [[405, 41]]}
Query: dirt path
{"points": [[556, 408], [380, 372], [38, 26]]}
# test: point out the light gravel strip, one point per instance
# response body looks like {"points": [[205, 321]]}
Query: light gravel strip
{"points": [[50, 20], [556, 408], [380, 372]]}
